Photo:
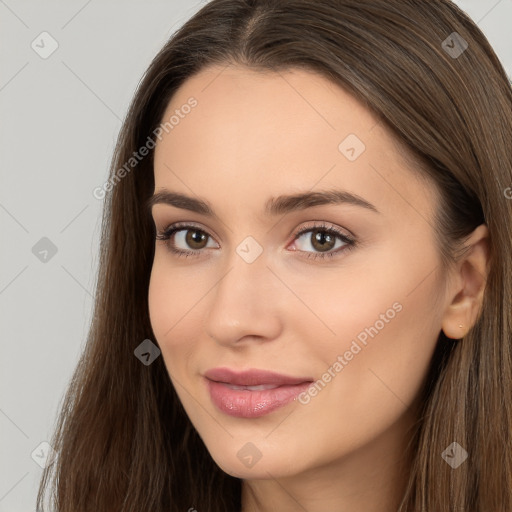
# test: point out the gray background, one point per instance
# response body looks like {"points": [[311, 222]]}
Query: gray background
{"points": [[60, 118]]}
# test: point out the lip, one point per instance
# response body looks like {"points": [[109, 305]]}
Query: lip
{"points": [[226, 388]]}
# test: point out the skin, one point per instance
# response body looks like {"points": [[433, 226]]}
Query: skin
{"points": [[256, 135]]}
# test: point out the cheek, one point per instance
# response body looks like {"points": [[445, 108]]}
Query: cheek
{"points": [[161, 302], [386, 303], [174, 309], [174, 302], [372, 368], [169, 296], [385, 322]]}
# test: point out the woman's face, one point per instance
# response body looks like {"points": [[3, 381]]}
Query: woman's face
{"points": [[273, 283]]}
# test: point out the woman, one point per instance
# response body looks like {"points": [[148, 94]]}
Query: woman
{"points": [[304, 294]]}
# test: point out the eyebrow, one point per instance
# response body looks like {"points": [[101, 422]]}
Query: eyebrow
{"points": [[274, 206]]}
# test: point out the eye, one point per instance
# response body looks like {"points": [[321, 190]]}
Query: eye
{"points": [[323, 238], [191, 238], [186, 240]]}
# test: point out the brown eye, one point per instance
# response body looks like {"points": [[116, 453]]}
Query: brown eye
{"points": [[195, 238], [185, 239], [322, 240]]}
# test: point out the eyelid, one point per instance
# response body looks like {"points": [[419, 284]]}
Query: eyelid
{"points": [[298, 232], [323, 225], [177, 226]]}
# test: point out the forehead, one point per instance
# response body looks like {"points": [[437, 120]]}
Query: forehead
{"points": [[250, 105], [253, 131]]}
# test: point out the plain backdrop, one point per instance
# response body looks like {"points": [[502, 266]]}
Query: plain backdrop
{"points": [[60, 115]]}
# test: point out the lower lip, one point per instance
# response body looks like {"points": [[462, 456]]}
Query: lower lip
{"points": [[252, 404]]}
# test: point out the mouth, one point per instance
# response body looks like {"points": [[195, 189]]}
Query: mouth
{"points": [[252, 393]]}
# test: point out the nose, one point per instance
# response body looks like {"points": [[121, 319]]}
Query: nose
{"points": [[246, 304]]}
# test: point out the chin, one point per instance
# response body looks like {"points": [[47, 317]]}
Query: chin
{"points": [[249, 463]]}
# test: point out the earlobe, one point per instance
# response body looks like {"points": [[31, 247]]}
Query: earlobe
{"points": [[466, 295]]}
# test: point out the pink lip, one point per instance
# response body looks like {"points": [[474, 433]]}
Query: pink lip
{"points": [[247, 403]]}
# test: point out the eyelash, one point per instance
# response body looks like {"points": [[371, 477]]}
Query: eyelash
{"points": [[350, 243]]}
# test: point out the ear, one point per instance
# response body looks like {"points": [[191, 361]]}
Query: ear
{"points": [[469, 280]]}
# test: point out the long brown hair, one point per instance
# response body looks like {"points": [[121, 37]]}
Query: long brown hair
{"points": [[123, 440]]}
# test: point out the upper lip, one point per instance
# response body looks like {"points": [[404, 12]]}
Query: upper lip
{"points": [[253, 377]]}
